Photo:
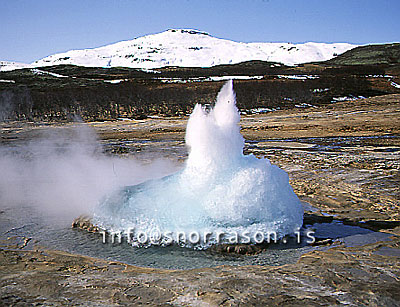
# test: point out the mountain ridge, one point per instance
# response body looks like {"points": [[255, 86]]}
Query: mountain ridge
{"points": [[374, 54], [191, 48]]}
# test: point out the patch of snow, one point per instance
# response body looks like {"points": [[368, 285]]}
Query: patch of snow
{"points": [[213, 78], [304, 105], [42, 72], [8, 66], [178, 80], [7, 81], [115, 81], [152, 71], [345, 98], [261, 110], [379, 76], [357, 112], [298, 77], [226, 78], [395, 84], [320, 90]]}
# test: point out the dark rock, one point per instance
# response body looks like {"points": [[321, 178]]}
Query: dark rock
{"points": [[309, 219], [322, 241], [378, 225], [84, 222], [238, 249]]}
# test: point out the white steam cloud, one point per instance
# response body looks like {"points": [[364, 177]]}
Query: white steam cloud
{"points": [[65, 172]]}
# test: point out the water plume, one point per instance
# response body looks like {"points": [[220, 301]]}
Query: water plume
{"points": [[219, 190]]}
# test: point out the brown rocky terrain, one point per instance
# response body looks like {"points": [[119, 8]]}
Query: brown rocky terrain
{"points": [[342, 159], [338, 276]]}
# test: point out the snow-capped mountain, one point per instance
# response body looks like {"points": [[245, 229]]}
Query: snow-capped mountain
{"points": [[7, 65], [192, 48]]}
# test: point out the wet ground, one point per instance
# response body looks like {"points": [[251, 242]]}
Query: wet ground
{"points": [[19, 223]]}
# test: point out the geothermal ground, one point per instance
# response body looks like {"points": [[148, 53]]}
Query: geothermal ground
{"points": [[343, 163]]}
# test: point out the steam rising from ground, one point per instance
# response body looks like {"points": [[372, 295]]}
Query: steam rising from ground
{"points": [[219, 189], [64, 172]]}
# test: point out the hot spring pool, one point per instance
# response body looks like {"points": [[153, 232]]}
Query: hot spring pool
{"points": [[50, 233]]}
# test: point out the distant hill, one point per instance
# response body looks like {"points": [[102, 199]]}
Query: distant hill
{"points": [[369, 55], [8, 65], [192, 48]]}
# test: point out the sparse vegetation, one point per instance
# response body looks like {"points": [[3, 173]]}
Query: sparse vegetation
{"points": [[109, 93]]}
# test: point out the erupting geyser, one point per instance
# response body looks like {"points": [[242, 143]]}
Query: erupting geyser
{"points": [[220, 195]]}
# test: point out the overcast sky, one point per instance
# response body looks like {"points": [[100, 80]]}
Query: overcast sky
{"points": [[33, 29]]}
